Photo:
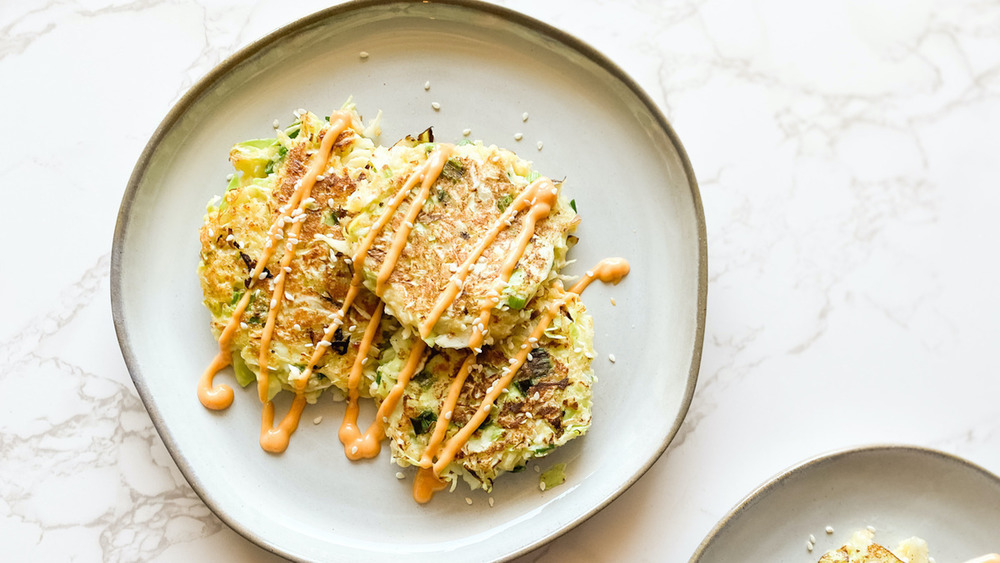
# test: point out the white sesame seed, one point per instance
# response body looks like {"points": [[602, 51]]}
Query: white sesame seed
{"points": [[348, 261], [611, 358], [541, 485], [274, 303], [364, 361], [870, 528], [320, 178], [399, 475], [230, 238], [211, 233], [309, 344], [330, 202], [354, 450], [528, 415], [524, 116], [317, 420], [288, 296], [809, 547], [518, 136], [296, 326], [812, 538], [352, 327], [229, 176], [468, 500], [289, 247], [540, 145], [408, 224], [363, 54], [613, 302], [537, 470], [529, 357], [447, 415], [427, 85], [323, 343], [276, 124], [491, 501], [466, 132], [590, 274], [532, 339], [512, 360], [436, 106], [244, 326], [829, 529]]}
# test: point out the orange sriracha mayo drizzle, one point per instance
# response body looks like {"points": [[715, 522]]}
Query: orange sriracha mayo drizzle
{"points": [[435, 163], [428, 481], [358, 445], [218, 397]]}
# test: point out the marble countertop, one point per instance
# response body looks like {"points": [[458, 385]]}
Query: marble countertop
{"points": [[847, 157]]}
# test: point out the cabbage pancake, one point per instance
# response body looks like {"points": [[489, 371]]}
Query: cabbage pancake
{"points": [[861, 548], [233, 238], [547, 403], [475, 187]]}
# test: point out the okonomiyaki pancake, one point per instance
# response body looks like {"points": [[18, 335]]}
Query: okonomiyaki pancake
{"points": [[464, 208], [547, 403], [235, 232]]}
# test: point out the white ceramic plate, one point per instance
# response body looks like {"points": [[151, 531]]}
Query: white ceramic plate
{"points": [[487, 66], [902, 491]]}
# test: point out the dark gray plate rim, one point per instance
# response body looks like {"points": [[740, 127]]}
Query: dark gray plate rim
{"points": [[199, 89], [778, 480]]}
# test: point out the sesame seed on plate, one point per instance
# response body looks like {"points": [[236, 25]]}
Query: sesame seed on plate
{"points": [[436, 106], [468, 500], [611, 358], [317, 420], [427, 85], [540, 145], [364, 55], [524, 116], [399, 475], [518, 136], [491, 501], [276, 124], [466, 132], [829, 529]]}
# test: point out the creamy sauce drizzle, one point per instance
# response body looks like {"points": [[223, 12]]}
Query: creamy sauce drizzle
{"points": [[358, 445], [539, 197], [428, 481], [219, 397]]}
